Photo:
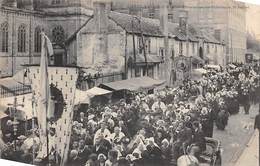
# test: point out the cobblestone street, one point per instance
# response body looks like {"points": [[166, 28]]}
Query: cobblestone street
{"points": [[237, 135]]}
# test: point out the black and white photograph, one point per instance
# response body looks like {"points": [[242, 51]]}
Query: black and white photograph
{"points": [[129, 82]]}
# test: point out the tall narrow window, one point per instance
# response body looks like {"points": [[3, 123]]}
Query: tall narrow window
{"points": [[162, 53], [4, 37], [56, 2], [180, 48], [208, 49], [21, 38], [193, 48], [37, 39]]}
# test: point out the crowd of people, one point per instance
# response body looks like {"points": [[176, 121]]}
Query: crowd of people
{"points": [[157, 129], [161, 128]]}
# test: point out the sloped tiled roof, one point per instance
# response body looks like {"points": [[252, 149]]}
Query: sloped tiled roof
{"points": [[150, 27], [133, 24]]}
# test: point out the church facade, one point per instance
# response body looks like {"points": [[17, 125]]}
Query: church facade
{"points": [[21, 22]]}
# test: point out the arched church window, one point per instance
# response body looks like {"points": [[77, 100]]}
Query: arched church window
{"points": [[37, 39], [58, 35], [4, 37], [21, 38]]}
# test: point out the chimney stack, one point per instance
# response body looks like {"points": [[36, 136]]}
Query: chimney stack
{"points": [[183, 21], [28, 4], [101, 12], [101, 15], [164, 19]]}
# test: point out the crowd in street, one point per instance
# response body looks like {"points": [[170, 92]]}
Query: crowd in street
{"points": [[162, 128], [157, 129]]}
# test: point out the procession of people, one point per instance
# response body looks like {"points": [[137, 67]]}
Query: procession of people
{"points": [[157, 129]]}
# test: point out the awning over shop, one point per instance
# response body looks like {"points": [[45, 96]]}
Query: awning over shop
{"points": [[215, 67], [198, 73], [25, 112], [197, 60], [2, 115], [85, 96], [133, 84]]}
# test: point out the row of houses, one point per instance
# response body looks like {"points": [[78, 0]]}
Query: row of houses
{"points": [[107, 45], [111, 42]]}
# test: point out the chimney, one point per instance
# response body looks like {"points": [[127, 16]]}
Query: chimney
{"points": [[101, 11], [164, 19], [28, 4], [100, 15], [183, 19]]}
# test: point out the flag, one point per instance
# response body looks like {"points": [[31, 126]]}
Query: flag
{"points": [[44, 91]]}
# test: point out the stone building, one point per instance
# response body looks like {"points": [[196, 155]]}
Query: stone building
{"points": [[224, 19], [21, 22], [117, 39], [138, 46]]}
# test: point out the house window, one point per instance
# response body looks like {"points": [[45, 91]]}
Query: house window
{"points": [[58, 34], [4, 37], [187, 48], [208, 49], [37, 39], [140, 45], [170, 16], [173, 54], [151, 15], [148, 45], [137, 72], [21, 38], [216, 49], [150, 71], [193, 48], [56, 1], [217, 34], [161, 52], [180, 48]]}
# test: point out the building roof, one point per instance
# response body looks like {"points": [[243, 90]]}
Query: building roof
{"points": [[133, 84], [133, 24], [150, 27]]}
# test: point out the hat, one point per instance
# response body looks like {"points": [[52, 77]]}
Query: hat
{"points": [[165, 141], [9, 122], [91, 116], [22, 137], [75, 123], [102, 155], [73, 153], [106, 114], [160, 122], [204, 111], [125, 140], [114, 114], [187, 118]]}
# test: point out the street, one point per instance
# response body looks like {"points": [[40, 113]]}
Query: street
{"points": [[250, 155], [236, 138]]}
